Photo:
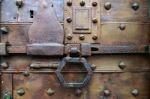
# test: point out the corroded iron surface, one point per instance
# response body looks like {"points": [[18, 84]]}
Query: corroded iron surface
{"points": [[75, 49]]}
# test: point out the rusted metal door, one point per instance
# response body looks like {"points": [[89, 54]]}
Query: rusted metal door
{"points": [[75, 49]]}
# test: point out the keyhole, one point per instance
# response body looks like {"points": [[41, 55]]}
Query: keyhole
{"points": [[31, 13]]}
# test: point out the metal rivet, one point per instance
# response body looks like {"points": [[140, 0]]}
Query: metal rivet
{"points": [[94, 37], [4, 30], [78, 92], [7, 95], [107, 5], [50, 92], [82, 3], [107, 92], [21, 92], [26, 73], [69, 20], [122, 26], [81, 37], [135, 6], [69, 3], [94, 20], [69, 37], [4, 65], [94, 4], [122, 65], [135, 92], [93, 66], [19, 3]]}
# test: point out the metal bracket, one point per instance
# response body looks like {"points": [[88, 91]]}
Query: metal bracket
{"points": [[39, 65], [74, 60], [3, 49]]}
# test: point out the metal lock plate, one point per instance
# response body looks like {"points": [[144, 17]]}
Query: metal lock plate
{"points": [[31, 8], [81, 22], [11, 13]]}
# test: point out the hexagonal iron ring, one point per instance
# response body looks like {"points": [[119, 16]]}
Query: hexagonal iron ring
{"points": [[74, 60]]}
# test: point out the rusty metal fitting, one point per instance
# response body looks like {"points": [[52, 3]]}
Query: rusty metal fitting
{"points": [[135, 6], [95, 37], [94, 4], [122, 65], [63, 63], [94, 20], [4, 65], [19, 3], [107, 92], [107, 5], [69, 37], [122, 26], [4, 30], [69, 3], [135, 92], [81, 37], [69, 20], [21, 92], [50, 92], [82, 3]]}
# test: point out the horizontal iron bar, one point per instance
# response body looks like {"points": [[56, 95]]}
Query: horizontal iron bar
{"points": [[100, 49], [96, 49], [96, 71]]}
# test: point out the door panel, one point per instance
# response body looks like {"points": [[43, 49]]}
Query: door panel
{"points": [[122, 10], [74, 49], [125, 33]]}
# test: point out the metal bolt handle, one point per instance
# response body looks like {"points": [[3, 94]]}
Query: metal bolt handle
{"points": [[73, 60]]}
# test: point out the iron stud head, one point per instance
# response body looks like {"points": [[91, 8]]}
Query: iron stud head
{"points": [[94, 20], [21, 92], [50, 92], [122, 27], [122, 65], [4, 65], [81, 37], [107, 92], [135, 6], [94, 4], [95, 37], [107, 5], [4, 30], [135, 92], [69, 37], [69, 20], [69, 3], [82, 3]]}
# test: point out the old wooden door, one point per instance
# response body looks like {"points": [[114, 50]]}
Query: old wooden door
{"points": [[74, 49]]}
